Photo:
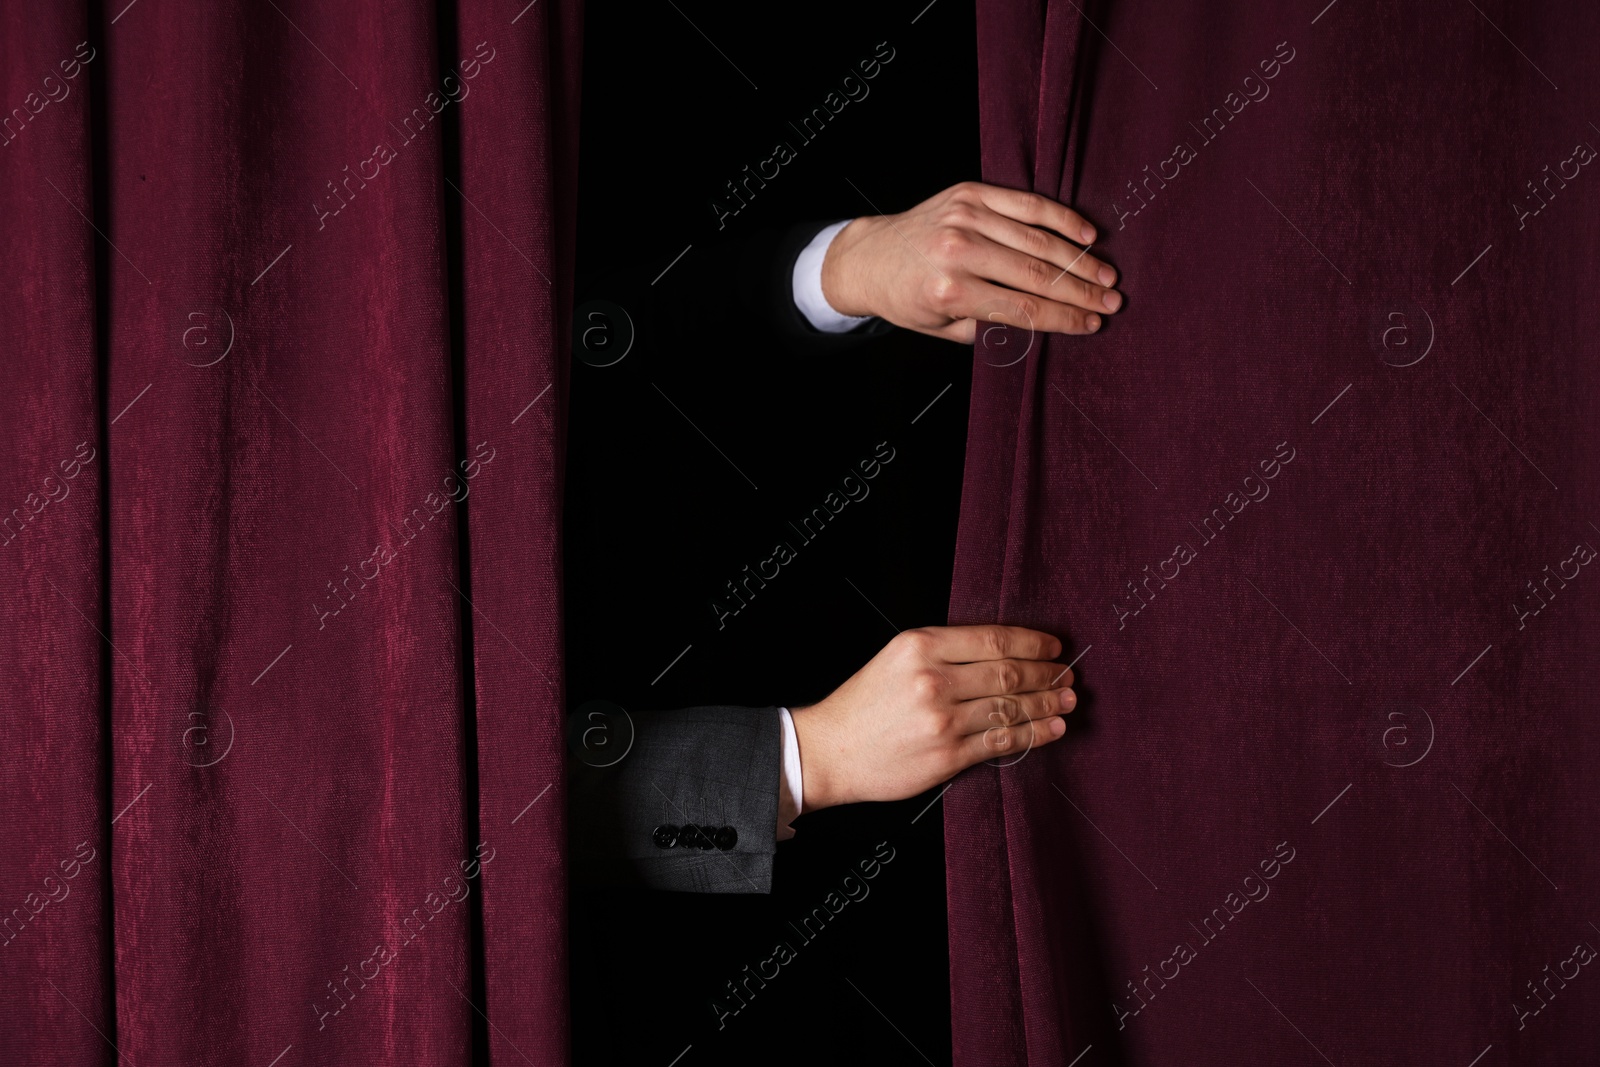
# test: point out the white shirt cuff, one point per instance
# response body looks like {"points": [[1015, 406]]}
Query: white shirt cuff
{"points": [[807, 286], [790, 795]]}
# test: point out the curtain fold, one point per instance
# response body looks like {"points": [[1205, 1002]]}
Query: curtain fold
{"points": [[1312, 515], [282, 425]]}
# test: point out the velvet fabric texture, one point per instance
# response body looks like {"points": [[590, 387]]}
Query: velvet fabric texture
{"points": [[1315, 514], [284, 284]]}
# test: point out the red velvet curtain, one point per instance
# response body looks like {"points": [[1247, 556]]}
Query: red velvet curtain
{"points": [[1317, 515], [284, 285]]}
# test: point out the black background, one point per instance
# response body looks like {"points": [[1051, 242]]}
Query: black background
{"points": [[658, 521]]}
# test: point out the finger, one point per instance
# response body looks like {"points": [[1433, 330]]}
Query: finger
{"points": [[1025, 273], [1036, 210], [962, 331], [977, 299], [995, 337], [970, 681], [1011, 741], [969, 644], [1042, 244], [975, 716]]}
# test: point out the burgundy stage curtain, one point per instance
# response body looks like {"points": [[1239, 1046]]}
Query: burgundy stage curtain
{"points": [[282, 283], [1316, 514]]}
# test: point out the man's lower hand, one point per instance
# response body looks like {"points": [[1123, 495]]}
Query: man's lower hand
{"points": [[934, 702]]}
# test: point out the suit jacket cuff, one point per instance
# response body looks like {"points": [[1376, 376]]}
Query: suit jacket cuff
{"points": [[692, 806]]}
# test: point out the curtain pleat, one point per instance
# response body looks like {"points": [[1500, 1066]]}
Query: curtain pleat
{"points": [[519, 221], [286, 287], [55, 929]]}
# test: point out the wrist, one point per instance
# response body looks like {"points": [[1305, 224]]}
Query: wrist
{"points": [[819, 761], [840, 286]]}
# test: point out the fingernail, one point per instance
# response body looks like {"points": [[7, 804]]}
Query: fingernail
{"points": [[1108, 276], [1112, 301], [1069, 699], [1093, 323], [1057, 727], [1088, 234]]}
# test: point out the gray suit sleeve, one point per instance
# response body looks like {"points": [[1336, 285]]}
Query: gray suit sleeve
{"points": [[693, 806]]}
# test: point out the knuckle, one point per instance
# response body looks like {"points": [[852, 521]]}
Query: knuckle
{"points": [[951, 242], [926, 687], [994, 642], [1040, 273], [1010, 711], [1008, 677], [1034, 204], [915, 638], [931, 725], [944, 293], [1035, 242], [959, 214], [1026, 310], [914, 645]]}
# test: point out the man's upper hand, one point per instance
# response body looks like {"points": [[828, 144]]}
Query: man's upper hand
{"points": [[972, 253]]}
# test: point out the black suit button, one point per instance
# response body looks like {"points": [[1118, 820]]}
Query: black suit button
{"points": [[726, 837], [689, 836], [665, 836]]}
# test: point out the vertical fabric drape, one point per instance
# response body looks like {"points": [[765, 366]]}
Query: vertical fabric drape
{"points": [[1315, 514], [282, 771]]}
